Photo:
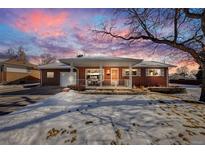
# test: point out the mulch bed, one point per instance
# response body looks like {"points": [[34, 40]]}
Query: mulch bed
{"points": [[168, 90]]}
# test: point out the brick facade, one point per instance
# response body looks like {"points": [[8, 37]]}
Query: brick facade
{"points": [[137, 81]]}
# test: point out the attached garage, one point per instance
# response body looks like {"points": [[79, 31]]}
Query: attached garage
{"points": [[58, 74]]}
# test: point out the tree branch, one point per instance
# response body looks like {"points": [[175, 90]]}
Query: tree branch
{"points": [[175, 25], [181, 46], [192, 15]]}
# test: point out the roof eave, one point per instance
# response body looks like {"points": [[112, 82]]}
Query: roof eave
{"points": [[44, 68], [95, 63]]}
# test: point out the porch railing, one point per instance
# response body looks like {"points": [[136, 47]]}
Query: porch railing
{"points": [[107, 83]]}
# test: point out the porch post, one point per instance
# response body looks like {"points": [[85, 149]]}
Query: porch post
{"points": [[71, 67], [167, 76], [101, 75], [71, 70], [130, 76]]}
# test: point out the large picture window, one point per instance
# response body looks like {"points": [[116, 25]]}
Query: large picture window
{"points": [[93, 77], [155, 72], [135, 72]]}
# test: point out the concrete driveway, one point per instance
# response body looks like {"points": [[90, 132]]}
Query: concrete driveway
{"points": [[15, 97]]}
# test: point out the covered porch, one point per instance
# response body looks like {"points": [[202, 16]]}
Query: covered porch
{"points": [[102, 73]]}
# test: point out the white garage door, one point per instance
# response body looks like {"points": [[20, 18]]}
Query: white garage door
{"points": [[67, 79], [18, 70]]}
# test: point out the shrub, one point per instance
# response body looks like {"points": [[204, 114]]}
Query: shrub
{"points": [[168, 90], [77, 87]]}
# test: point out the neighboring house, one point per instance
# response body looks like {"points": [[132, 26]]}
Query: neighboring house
{"points": [[100, 72], [15, 71]]}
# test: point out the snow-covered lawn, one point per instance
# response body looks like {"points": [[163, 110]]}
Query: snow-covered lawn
{"points": [[193, 92], [73, 118]]}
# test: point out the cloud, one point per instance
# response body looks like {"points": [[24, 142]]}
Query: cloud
{"points": [[62, 32], [42, 23]]}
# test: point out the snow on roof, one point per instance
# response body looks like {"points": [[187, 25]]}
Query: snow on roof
{"points": [[96, 58], [101, 60], [152, 64], [56, 65]]}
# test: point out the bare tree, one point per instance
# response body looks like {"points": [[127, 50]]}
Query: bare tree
{"points": [[11, 53], [182, 71], [193, 73], [182, 29], [17, 53], [199, 74], [21, 55], [47, 59]]}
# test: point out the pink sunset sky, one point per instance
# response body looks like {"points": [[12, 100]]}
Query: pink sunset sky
{"points": [[65, 32]]}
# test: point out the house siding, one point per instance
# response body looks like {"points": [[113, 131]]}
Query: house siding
{"points": [[1, 76], [144, 80], [81, 76], [55, 81], [137, 81], [17, 71], [9, 77], [12, 76], [35, 73]]}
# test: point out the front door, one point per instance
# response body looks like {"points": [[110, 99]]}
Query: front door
{"points": [[114, 76]]}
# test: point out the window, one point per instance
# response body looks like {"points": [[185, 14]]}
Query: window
{"points": [[135, 72], [94, 73], [93, 76], [154, 72], [17, 70], [50, 74]]}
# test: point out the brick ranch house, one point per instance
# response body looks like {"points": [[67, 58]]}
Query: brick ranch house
{"points": [[101, 72]]}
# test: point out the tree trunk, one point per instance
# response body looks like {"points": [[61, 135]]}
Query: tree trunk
{"points": [[202, 97]]}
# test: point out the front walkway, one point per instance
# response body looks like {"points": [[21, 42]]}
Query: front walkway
{"points": [[73, 118]]}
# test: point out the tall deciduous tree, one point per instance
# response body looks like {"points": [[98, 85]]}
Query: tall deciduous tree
{"points": [[17, 53], [183, 29], [199, 74], [11, 53]]}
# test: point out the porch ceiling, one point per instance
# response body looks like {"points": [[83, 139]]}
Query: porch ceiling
{"points": [[96, 62]]}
